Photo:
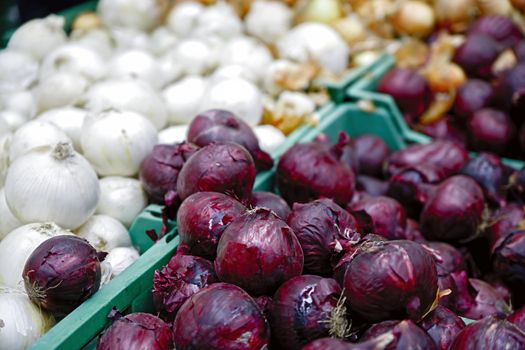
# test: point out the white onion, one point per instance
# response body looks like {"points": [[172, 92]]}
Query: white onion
{"points": [[13, 119], [60, 89], [238, 96], [35, 134], [74, 58], [268, 20], [18, 245], [104, 233], [194, 56], [315, 41], [67, 119], [8, 222], [22, 322], [138, 14], [38, 37], [116, 142], [136, 64], [219, 21], [122, 198], [128, 94], [129, 38], [162, 39], [21, 101], [183, 17], [233, 71], [120, 258], [247, 52], [52, 183], [18, 70], [270, 138], [5, 142], [171, 70], [98, 40], [173, 134], [183, 99]]}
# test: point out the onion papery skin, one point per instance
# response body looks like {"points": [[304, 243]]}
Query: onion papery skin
{"points": [[160, 169], [302, 309], [221, 316], [442, 325], [407, 335], [135, 332], [489, 334], [226, 168], [202, 218], [318, 225], [477, 54], [504, 221], [61, 273], [258, 252], [518, 318], [391, 279], [218, 125], [183, 276], [272, 202], [371, 153], [500, 28], [508, 258], [455, 211], [472, 96], [490, 130]]}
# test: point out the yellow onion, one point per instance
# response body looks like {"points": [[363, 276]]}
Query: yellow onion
{"points": [[455, 15], [414, 18], [519, 4], [412, 53], [442, 103], [445, 77], [87, 21], [351, 29], [374, 14], [494, 7], [324, 11]]}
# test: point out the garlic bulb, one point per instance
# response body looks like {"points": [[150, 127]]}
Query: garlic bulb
{"points": [[38, 37], [270, 138], [218, 21], [247, 52], [194, 56], [128, 94], [104, 233], [60, 89], [121, 198], [52, 183], [173, 134], [116, 142], [8, 222], [13, 119], [21, 101], [238, 96], [233, 71], [183, 17], [138, 14], [18, 245], [120, 258], [136, 64], [318, 42], [414, 18], [67, 119], [18, 70], [22, 322], [33, 134], [162, 39], [268, 20], [183, 99]]}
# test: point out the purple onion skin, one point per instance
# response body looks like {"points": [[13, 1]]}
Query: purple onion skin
{"points": [[221, 316], [489, 334], [511, 90], [329, 344], [477, 54], [202, 218], [301, 310], [218, 125], [442, 325], [455, 211], [160, 169], [371, 185], [472, 96], [504, 221], [137, 331], [264, 303], [309, 171], [412, 232], [445, 129], [386, 341], [508, 258], [226, 168], [490, 130], [522, 137], [518, 318], [258, 252], [407, 335], [450, 258], [517, 181], [318, 225], [183, 276], [500, 28], [519, 50], [371, 153], [62, 273], [391, 279], [409, 90], [446, 156], [272, 202]]}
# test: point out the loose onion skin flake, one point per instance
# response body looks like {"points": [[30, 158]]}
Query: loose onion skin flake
{"points": [[442, 325]]}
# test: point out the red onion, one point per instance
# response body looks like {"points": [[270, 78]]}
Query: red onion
{"points": [[183, 276], [306, 308], [508, 257], [329, 344], [503, 222], [62, 273], [445, 129], [258, 252], [511, 90], [221, 316], [135, 332], [226, 168], [455, 210], [371, 185], [500, 28], [371, 153], [519, 50], [160, 169], [391, 279], [442, 325], [272, 202], [489, 334], [517, 181], [477, 54], [407, 335], [264, 303], [202, 218], [518, 318], [522, 137], [384, 341], [472, 96], [450, 258], [412, 232], [490, 130], [318, 225], [223, 126]]}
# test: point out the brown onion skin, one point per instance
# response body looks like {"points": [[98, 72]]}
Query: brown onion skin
{"points": [[508, 258], [226, 168], [490, 130], [221, 316], [518, 318], [202, 218], [183, 276], [301, 310], [500, 28], [258, 252], [317, 225], [135, 332], [472, 96], [455, 210], [62, 273], [371, 153], [442, 325], [273, 202], [477, 54], [218, 125], [391, 279], [489, 333], [407, 335]]}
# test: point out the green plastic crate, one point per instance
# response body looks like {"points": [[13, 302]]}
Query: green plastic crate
{"points": [[365, 89]]}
